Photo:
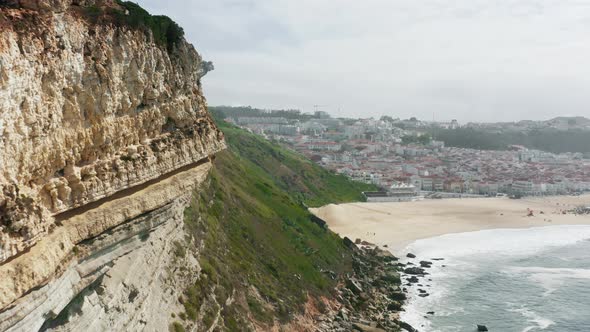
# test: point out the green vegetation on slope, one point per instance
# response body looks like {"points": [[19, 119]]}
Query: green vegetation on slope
{"points": [[292, 172], [259, 240], [420, 139], [165, 31], [551, 140]]}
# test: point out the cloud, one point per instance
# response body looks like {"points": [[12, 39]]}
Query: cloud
{"points": [[474, 60]]}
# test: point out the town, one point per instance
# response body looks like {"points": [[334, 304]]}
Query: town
{"points": [[404, 159]]}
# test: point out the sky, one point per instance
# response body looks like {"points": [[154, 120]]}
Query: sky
{"points": [[470, 60]]}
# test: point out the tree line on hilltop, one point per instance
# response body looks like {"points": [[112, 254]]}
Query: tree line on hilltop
{"points": [[550, 140]]}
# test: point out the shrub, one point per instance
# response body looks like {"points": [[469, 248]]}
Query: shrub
{"points": [[179, 249], [92, 13], [177, 327], [164, 30], [191, 312]]}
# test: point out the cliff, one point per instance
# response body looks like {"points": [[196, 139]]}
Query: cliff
{"points": [[119, 211], [104, 130], [88, 110]]}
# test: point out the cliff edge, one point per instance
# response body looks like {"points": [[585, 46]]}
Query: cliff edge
{"points": [[103, 122], [89, 108]]}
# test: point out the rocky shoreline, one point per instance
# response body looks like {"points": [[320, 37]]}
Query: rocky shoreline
{"points": [[371, 297]]}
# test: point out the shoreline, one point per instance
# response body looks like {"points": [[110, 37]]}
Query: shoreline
{"points": [[397, 225], [463, 256]]}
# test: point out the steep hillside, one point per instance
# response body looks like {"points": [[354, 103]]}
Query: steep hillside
{"points": [[291, 171], [261, 246]]}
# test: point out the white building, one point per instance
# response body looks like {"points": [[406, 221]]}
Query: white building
{"points": [[324, 146], [522, 187]]}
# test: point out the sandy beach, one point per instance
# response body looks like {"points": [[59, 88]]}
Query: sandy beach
{"points": [[399, 224]]}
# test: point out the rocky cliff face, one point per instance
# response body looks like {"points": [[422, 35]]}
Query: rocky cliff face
{"points": [[102, 128]]}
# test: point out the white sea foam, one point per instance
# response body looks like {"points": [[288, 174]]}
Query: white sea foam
{"points": [[503, 241], [550, 278], [540, 323], [462, 251], [417, 307]]}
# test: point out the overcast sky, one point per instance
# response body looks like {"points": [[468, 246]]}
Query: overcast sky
{"points": [[471, 60]]}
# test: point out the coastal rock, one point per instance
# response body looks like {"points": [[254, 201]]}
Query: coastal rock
{"points": [[354, 286], [343, 313], [366, 328], [397, 296], [425, 264], [391, 277], [482, 328], [410, 255], [348, 242], [394, 306], [414, 271], [376, 300], [384, 255], [105, 136], [405, 326], [89, 111]]}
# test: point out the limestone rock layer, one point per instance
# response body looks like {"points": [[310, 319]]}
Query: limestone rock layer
{"points": [[88, 109], [111, 268]]}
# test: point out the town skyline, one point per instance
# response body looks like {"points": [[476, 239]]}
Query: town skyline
{"points": [[311, 110], [389, 152]]}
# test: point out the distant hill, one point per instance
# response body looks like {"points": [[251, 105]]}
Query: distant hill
{"points": [[546, 139], [248, 111], [563, 122], [578, 119]]}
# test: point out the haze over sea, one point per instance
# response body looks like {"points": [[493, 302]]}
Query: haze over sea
{"points": [[511, 280]]}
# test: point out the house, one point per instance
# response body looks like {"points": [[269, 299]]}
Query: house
{"points": [[454, 186], [438, 184], [523, 187], [427, 184], [324, 146]]}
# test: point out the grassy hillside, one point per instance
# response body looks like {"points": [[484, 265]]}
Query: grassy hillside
{"points": [[258, 239], [304, 180]]}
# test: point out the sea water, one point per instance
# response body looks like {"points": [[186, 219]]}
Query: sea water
{"points": [[520, 280]]}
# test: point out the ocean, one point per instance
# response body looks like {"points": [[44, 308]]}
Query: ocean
{"points": [[511, 280]]}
